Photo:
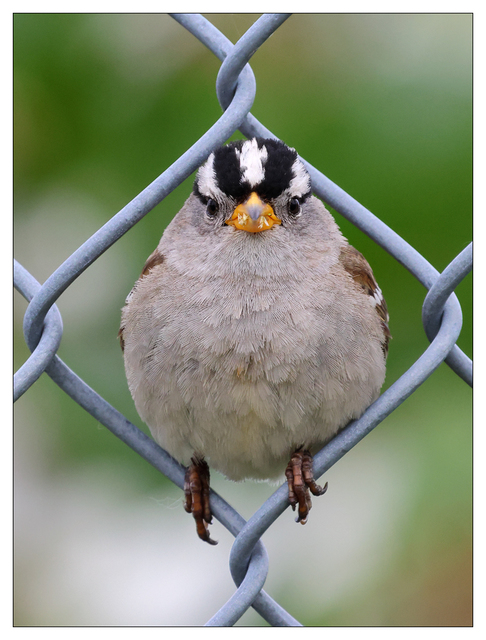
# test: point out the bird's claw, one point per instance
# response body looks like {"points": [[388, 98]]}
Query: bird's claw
{"points": [[301, 483], [196, 491]]}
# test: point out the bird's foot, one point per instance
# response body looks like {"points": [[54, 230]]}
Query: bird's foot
{"points": [[196, 491], [300, 479]]}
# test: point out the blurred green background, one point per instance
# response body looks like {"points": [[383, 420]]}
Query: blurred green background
{"points": [[103, 103]]}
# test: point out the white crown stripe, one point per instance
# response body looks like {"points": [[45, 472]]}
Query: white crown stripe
{"points": [[300, 183], [252, 160], [206, 180]]}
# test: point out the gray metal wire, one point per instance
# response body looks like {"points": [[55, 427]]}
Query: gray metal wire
{"points": [[442, 316]]}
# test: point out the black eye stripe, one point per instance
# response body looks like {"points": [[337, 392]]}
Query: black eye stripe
{"points": [[228, 172], [278, 169]]}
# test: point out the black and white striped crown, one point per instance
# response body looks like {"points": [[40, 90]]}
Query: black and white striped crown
{"points": [[268, 167]]}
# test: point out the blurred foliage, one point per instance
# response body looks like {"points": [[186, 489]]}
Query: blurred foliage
{"points": [[381, 104]]}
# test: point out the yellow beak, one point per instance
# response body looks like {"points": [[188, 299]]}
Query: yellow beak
{"points": [[253, 215]]}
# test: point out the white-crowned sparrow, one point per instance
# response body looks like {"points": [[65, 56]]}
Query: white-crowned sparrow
{"points": [[255, 331]]}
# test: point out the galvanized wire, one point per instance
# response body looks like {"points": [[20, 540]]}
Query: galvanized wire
{"points": [[442, 316]]}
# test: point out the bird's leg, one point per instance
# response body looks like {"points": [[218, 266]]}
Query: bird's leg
{"points": [[300, 479], [196, 491]]}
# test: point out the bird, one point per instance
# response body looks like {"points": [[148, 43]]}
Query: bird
{"points": [[255, 332]]}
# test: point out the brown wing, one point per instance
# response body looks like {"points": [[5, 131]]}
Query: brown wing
{"points": [[359, 269], [153, 260]]}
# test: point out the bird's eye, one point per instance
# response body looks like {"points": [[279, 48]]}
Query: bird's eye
{"points": [[294, 207], [211, 208]]}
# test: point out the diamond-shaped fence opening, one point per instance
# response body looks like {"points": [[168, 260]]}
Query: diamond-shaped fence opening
{"points": [[43, 328]]}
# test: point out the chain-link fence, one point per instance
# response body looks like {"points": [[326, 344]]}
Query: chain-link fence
{"points": [[441, 315]]}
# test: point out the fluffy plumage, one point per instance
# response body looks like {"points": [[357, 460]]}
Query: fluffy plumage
{"points": [[242, 347]]}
